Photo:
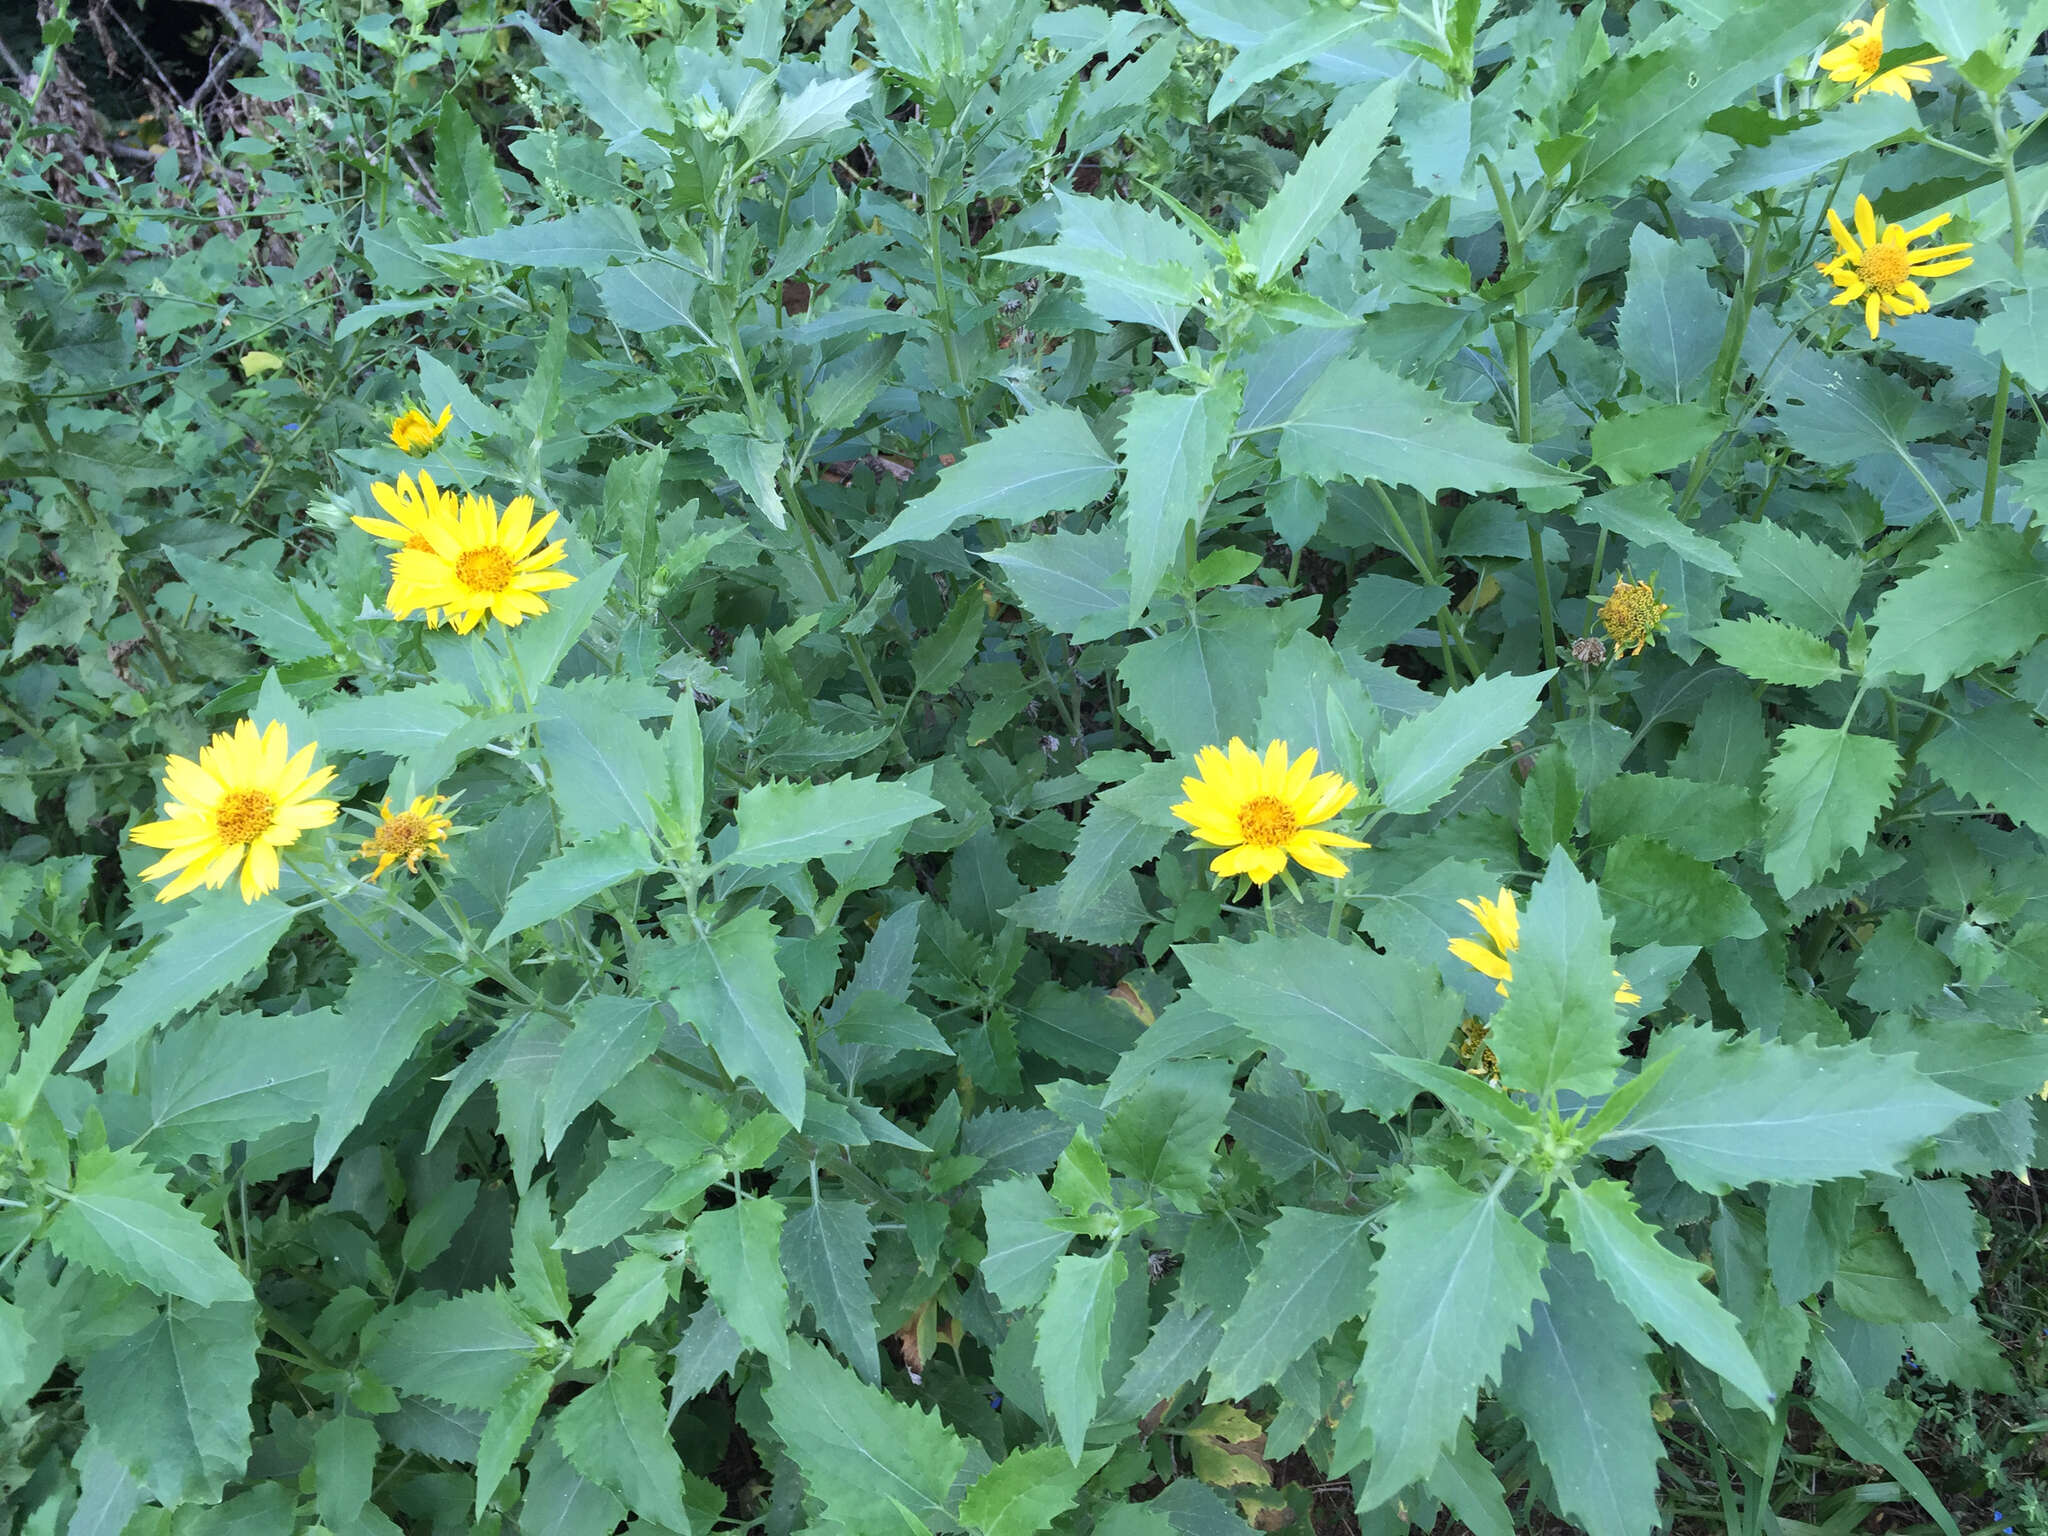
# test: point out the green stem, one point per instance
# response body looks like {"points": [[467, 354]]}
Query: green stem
{"points": [[935, 234], [1266, 901], [1996, 448]]}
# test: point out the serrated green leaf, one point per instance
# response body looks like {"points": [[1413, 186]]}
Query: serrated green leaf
{"points": [[566, 881], [1642, 514], [1311, 1278], [1316, 190], [1996, 754], [1560, 1027], [1824, 792], [587, 241], [616, 1434], [1661, 1289], [506, 1431], [1420, 760], [47, 1042], [604, 771], [863, 1455], [1023, 1243], [635, 1293], [1360, 422], [612, 1036], [1164, 1133], [1072, 1340], [825, 1249], [464, 1350], [1022, 1494], [385, 1013], [738, 1253], [1046, 462], [1730, 1112], [1661, 896], [172, 1400], [120, 1218], [224, 1078], [1708, 820], [1980, 602], [1200, 685], [1331, 1009], [1805, 583], [727, 987], [1670, 324], [1169, 445], [1452, 1290], [218, 942], [1937, 1223], [1772, 651], [783, 823], [1075, 584]]}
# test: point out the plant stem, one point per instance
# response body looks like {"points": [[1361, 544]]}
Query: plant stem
{"points": [[1995, 450], [935, 234]]}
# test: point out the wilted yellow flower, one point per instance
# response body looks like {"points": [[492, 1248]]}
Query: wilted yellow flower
{"points": [[256, 364], [1633, 616], [1475, 1055], [247, 796], [1503, 927], [1880, 270], [412, 834], [478, 565], [413, 432], [1262, 811], [1855, 62]]}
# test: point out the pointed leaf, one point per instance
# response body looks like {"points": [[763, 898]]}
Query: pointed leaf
{"points": [[1170, 445], [1560, 1027], [1311, 1278], [1313, 193], [121, 1219], [728, 989], [1420, 760], [825, 1249], [1825, 791], [738, 1252], [1073, 1340], [616, 1434], [1046, 462]]}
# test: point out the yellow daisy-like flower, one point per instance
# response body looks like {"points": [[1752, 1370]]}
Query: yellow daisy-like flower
{"points": [[1880, 270], [1855, 62], [1633, 615], [478, 564], [247, 796], [415, 833], [413, 432], [410, 507], [1503, 928], [1262, 811]]}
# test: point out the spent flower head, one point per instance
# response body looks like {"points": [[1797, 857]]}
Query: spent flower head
{"points": [[1633, 615], [415, 833], [1262, 811]]}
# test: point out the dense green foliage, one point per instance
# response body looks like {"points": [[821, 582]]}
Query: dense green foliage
{"points": [[820, 1088]]}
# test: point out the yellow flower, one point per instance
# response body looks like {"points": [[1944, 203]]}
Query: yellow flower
{"points": [[412, 432], [410, 507], [1262, 811], [1855, 62], [1880, 270], [412, 834], [247, 796], [1633, 616], [478, 565], [256, 364], [1503, 928]]}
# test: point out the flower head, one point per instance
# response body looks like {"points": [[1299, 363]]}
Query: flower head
{"points": [[1633, 615], [1262, 811], [1502, 925], [409, 506], [1855, 62], [1880, 270], [415, 833], [413, 432], [247, 796], [478, 564]]}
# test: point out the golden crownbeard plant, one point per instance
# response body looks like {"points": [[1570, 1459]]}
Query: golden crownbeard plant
{"points": [[227, 814], [478, 565], [1877, 266], [1263, 810]]}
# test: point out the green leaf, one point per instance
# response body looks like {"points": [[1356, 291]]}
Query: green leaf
{"points": [[1772, 651], [1814, 148], [1670, 325], [1023, 1242], [506, 1432], [650, 295], [47, 1042], [1647, 440], [1661, 896], [1420, 760], [172, 1401], [1936, 1222], [1046, 462], [1316, 190], [1311, 1279], [560, 1501], [1170, 445], [214, 945], [586, 240], [344, 1468], [1802, 582], [1360, 422], [385, 1013], [788, 823], [605, 771], [1165, 1132], [1331, 1009], [864, 1455], [616, 1434], [738, 1253], [1825, 790], [2013, 333], [1297, 35], [1876, 1282], [1200, 685], [121, 1219], [464, 1350], [224, 1078], [1708, 820], [816, 112], [1560, 1027], [613, 1035], [1453, 1288], [254, 599], [1661, 1289], [825, 1249], [465, 175], [639, 1287], [1736, 1111], [1997, 755], [728, 989], [1075, 584], [1023, 1494], [1072, 1345], [1651, 108], [1135, 265], [1861, 1445], [1580, 1386], [1980, 602], [1471, 1490], [754, 462]]}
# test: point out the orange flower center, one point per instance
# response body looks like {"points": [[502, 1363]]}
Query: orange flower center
{"points": [[1265, 822], [244, 815], [1883, 268], [484, 570], [1869, 52]]}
